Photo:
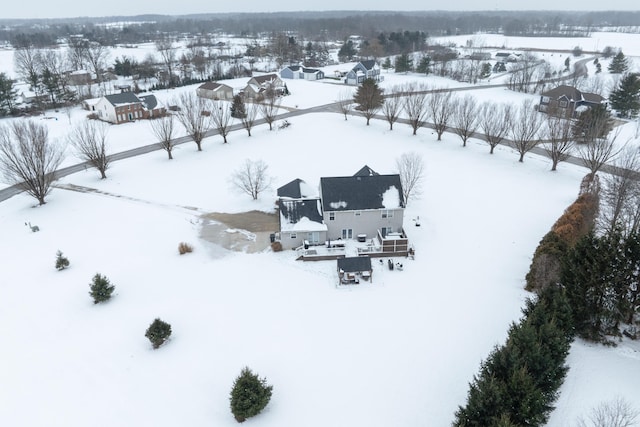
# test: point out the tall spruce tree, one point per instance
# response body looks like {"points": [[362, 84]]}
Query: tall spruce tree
{"points": [[238, 107], [619, 64], [625, 99], [592, 123], [368, 98]]}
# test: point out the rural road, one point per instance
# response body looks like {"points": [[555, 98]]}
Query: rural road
{"points": [[579, 70]]}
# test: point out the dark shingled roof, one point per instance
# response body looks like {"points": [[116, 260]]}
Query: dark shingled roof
{"points": [[265, 78], [292, 189], [210, 85], [368, 64], [295, 210], [123, 98], [150, 101], [573, 94], [366, 171], [356, 193], [354, 264]]}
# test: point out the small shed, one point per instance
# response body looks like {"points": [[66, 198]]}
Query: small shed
{"points": [[353, 269]]}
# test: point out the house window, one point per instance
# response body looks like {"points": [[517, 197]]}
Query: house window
{"points": [[347, 233], [357, 213], [387, 214], [332, 216], [294, 236], [545, 99], [563, 103]]}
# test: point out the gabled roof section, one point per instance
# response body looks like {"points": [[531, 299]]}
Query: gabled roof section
{"points": [[149, 101], [354, 264], [301, 214], [366, 171], [354, 193], [297, 189], [265, 78], [293, 67], [212, 86], [369, 64], [123, 98], [573, 94]]}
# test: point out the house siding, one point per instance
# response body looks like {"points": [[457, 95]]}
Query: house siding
{"points": [[368, 222], [289, 242]]}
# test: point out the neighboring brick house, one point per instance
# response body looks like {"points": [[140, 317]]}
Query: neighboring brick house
{"points": [[126, 107], [363, 70], [300, 215], [215, 91], [363, 205], [567, 101]]}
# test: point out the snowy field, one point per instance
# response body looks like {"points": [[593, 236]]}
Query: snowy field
{"points": [[398, 351]]}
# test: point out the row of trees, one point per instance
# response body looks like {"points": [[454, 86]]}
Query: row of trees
{"points": [[522, 126]]}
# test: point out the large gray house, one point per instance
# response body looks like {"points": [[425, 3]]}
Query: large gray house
{"points": [[362, 205]]}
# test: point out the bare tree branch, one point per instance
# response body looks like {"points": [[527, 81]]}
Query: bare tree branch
{"points": [[559, 143], [193, 115], [221, 116], [465, 118], [28, 159], [524, 132], [89, 139], [496, 121], [415, 105], [596, 154], [269, 109], [345, 102], [440, 110], [410, 167], [163, 128], [392, 106], [251, 178], [249, 118]]}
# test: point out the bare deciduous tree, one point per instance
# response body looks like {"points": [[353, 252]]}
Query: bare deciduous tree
{"points": [[89, 139], [249, 118], [392, 106], [616, 413], [269, 109], [221, 117], [597, 153], [415, 105], [193, 115], [620, 195], [345, 102], [410, 167], [524, 132], [97, 56], [440, 110], [163, 128], [465, 118], [252, 178], [28, 159], [559, 143], [168, 54], [495, 122], [28, 63]]}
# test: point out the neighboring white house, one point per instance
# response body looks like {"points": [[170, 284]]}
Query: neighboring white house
{"points": [[257, 85], [363, 70], [296, 72], [215, 91]]}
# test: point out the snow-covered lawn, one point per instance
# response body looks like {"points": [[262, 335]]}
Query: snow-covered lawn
{"points": [[397, 351]]}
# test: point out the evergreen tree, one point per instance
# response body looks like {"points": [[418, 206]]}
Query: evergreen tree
{"points": [[249, 396], [591, 124], [386, 64], [619, 64], [368, 98], [424, 66], [61, 261], [8, 94], [238, 107], [403, 63], [101, 288], [567, 64], [485, 71], [158, 332], [347, 51], [625, 99]]}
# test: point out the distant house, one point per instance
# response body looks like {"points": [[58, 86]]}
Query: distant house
{"points": [[215, 91], [363, 70], [127, 106], [363, 206], [296, 72], [300, 215], [567, 101], [258, 85]]}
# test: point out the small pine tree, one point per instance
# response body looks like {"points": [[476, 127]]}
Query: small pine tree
{"points": [[625, 99], [619, 64], [249, 396], [158, 332], [101, 288], [61, 261], [238, 108]]}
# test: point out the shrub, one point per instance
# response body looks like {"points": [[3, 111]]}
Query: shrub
{"points": [[184, 248], [158, 332], [61, 261], [276, 247], [249, 395], [101, 288]]}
